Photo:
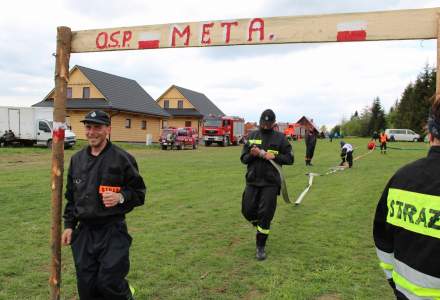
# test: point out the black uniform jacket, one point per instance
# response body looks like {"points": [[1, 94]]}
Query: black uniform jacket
{"points": [[113, 169], [407, 223], [310, 138], [260, 172]]}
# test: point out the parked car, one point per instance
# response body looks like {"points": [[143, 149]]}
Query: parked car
{"points": [[402, 135], [186, 137], [167, 138]]}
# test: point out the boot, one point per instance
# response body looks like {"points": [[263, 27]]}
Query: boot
{"points": [[261, 254], [261, 239]]}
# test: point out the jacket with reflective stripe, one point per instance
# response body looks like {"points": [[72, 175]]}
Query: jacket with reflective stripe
{"points": [[407, 228], [260, 172]]}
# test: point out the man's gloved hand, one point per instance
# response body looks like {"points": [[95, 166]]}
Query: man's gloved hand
{"points": [[255, 151]]}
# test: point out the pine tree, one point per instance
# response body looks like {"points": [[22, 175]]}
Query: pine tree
{"points": [[413, 107], [377, 121]]}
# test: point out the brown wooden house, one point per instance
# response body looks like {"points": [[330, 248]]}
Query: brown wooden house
{"points": [[305, 123], [134, 113], [187, 108]]}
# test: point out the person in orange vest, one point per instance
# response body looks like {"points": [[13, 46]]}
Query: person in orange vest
{"points": [[383, 138]]}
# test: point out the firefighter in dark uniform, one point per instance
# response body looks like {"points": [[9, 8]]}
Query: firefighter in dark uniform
{"points": [[103, 184], [262, 179], [310, 139], [407, 223]]}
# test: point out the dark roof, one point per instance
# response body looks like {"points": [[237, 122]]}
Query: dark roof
{"points": [[183, 112], [305, 121], [200, 102], [121, 93], [77, 103]]}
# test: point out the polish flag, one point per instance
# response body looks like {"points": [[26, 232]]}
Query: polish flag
{"points": [[148, 40], [352, 31]]}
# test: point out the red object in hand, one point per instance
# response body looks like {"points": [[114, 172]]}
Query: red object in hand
{"points": [[105, 188]]}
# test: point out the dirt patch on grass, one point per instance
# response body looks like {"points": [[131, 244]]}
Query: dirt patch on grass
{"points": [[13, 160], [329, 297], [253, 294]]}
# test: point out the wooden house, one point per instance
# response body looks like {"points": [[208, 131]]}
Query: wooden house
{"points": [[134, 113], [186, 108]]}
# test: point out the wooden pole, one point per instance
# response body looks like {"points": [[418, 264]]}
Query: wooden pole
{"points": [[437, 85], [64, 37]]}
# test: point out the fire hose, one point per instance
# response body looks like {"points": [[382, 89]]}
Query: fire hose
{"points": [[332, 170], [277, 167]]}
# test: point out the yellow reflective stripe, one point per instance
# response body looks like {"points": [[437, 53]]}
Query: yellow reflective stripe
{"points": [[265, 231], [413, 288], [256, 142], [415, 212], [386, 266], [274, 152], [132, 290]]}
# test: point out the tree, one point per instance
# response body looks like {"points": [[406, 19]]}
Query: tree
{"points": [[392, 115], [377, 121], [413, 107]]}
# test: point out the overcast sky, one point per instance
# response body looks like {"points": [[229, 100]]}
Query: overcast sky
{"points": [[322, 81]]}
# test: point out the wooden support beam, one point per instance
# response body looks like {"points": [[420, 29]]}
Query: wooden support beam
{"points": [[367, 26], [64, 37], [437, 85]]}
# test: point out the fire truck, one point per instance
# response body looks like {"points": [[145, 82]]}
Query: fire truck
{"points": [[224, 131], [293, 131]]}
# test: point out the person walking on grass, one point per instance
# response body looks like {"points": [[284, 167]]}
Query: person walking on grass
{"points": [[406, 227], [103, 185], [263, 182], [310, 139]]}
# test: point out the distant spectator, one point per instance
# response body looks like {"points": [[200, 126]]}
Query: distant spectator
{"points": [[375, 136]]}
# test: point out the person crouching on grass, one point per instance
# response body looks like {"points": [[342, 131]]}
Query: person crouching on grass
{"points": [[103, 184], [346, 154]]}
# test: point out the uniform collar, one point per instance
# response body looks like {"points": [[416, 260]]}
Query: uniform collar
{"points": [[434, 151], [107, 146]]}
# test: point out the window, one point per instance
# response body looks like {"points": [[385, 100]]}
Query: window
{"points": [[86, 92], [127, 123], [143, 124], [166, 103], [180, 104], [68, 123], [187, 123], [69, 92], [164, 124], [43, 126]]}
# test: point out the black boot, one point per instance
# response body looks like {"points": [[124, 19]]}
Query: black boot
{"points": [[261, 239], [261, 254]]}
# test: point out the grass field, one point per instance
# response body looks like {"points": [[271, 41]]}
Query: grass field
{"points": [[190, 240]]}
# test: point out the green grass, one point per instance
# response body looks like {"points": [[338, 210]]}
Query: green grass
{"points": [[190, 240]]}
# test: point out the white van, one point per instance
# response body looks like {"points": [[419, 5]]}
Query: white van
{"points": [[31, 126], [402, 135]]}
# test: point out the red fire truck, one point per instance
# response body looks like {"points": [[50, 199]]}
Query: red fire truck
{"points": [[293, 131], [223, 130]]}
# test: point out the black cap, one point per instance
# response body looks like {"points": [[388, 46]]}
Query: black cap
{"points": [[268, 116], [97, 117]]}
